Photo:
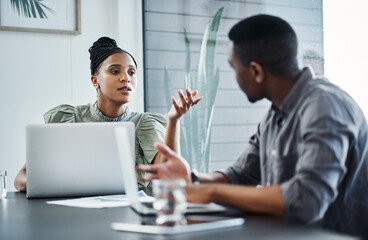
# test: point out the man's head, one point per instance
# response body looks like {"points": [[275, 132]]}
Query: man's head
{"points": [[267, 40], [259, 46]]}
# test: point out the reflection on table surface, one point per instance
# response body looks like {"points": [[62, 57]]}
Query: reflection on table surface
{"points": [[22, 218]]}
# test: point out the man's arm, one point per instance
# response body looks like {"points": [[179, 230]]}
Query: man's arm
{"points": [[267, 200], [20, 180], [176, 167], [214, 177]]}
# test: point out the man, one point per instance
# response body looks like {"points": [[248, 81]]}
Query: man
{"points": [[308, 160]]}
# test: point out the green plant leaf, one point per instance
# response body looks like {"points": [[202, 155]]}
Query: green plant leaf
{"points": [[198, 121], [212, 96], [211, 44], [15, 5], [26, 7], [208, 85], [187, 60], [30, 8], [33, 10], [46, 7], [186, 137], [168, 88], [39, 10], [201, 107]]}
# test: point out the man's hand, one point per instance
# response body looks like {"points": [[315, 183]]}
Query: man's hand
{"points": [[20, 181], [183, 104], [174, 167]]}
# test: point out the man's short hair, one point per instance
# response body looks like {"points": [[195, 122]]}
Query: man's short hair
{"points": [[267, 40]]}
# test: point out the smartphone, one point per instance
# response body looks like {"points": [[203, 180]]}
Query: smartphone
{"points": [[187, 225]]}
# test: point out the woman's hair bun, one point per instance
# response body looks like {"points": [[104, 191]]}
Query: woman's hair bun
{"points": [[101, 49], [103, 42]]}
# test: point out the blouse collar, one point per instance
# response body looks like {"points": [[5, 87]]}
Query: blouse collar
{"points": [[100, 116]]}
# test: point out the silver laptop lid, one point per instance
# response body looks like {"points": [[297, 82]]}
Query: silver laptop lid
{"points": [[127, 164], [131, 185], [74, 159]]}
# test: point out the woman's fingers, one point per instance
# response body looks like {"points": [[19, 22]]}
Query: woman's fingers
{"points": [[184, 103], [194, 93], [189, 97], [197, 100], [175, 104], [181, 95], [186, 100]]}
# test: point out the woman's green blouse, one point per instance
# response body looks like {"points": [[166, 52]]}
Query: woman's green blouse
{"points": [[149, 127]]}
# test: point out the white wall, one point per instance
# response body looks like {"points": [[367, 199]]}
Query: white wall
{"points": [[346, 50], [39, 71]]}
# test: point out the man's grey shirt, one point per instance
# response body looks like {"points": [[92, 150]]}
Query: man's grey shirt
{"points": [[315, 146]]}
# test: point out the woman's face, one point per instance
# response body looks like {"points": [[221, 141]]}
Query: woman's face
{"points": [[116, 79]]}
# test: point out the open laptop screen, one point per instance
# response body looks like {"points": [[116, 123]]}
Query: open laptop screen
{"points": [[74, 159]]}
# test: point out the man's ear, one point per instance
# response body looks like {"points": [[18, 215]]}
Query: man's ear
{"points": [[258, 72], [95, 82]]}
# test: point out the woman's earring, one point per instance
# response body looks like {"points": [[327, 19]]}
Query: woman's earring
{"points": [[97, 87]]}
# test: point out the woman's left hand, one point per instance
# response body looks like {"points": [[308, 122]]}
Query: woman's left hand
{"points": [[183, 104]]}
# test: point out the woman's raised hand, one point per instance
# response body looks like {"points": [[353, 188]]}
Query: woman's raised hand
{"points": [[183, 104]]}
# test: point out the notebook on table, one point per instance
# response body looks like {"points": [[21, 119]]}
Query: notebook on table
{"points": [[131, 185], [75, 159]]}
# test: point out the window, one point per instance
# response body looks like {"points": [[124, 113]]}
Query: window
{"points": [[234, 118]]}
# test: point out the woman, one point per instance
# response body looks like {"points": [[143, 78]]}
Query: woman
{"points": [[113, 74]]}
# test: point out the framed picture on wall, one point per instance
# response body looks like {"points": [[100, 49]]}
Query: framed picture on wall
{"points": [[47, 16]]}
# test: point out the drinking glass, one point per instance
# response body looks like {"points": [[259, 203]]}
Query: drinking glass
{"points": [[3, 190], [170, 203]]}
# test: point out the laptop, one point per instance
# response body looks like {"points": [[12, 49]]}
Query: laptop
{"points": [[75, 159], [131, 185]]}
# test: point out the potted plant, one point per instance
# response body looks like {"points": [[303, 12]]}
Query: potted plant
{"points": [[197, 123]]}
